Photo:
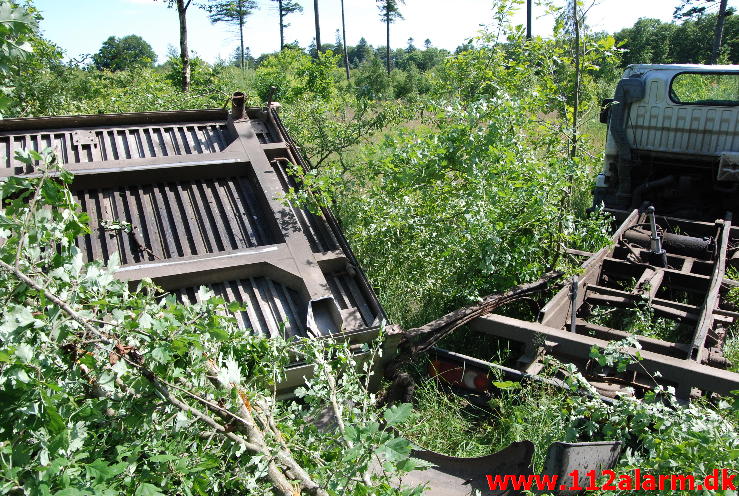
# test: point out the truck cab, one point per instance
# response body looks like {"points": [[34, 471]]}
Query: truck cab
{"points": [[673, 140]]}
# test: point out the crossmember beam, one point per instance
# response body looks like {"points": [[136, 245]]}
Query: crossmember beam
{"points": [[683, 374]]}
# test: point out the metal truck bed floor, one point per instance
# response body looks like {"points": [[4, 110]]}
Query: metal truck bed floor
{"points": [[193, 198]]}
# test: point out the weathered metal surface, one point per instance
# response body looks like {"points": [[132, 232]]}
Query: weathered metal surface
{"points": [[708, 318], [459, 476], [454, 476], [680, 373], [565, 458], [196, 198]]}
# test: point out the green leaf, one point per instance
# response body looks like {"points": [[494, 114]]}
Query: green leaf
{"points": [[56, 423], [24, 352], [21, 375], [161, 354], [507, 385], [398, 413], [163, 458], [69, 491], [395, 449], [147, 489], [101, 471], [411, 464]]}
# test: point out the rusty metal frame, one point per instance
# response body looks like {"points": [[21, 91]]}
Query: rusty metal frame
{"points": [[680, 373], [693, 366]]}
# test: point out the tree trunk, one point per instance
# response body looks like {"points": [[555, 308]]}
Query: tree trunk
{"points": [[387, 48], [318, 27], [719, 32], [184, 53], [282, 26], [576, 103], [241, 34], [346, 50]]}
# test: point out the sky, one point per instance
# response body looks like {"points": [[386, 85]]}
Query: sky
{"points": [[81, 26]]}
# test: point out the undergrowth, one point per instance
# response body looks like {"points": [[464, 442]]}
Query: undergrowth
{"points": [[731, 342], [452, 425]]}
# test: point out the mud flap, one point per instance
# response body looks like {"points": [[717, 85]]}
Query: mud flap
{"points": [[461, 476], [565, 458], [453, 476]]}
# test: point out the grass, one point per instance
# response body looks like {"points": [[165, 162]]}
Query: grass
{"points": [[731, 348], [453, 426], [641, 321], [731, 344]]}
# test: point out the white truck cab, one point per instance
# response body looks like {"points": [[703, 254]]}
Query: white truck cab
{"points": [[673, 140]]}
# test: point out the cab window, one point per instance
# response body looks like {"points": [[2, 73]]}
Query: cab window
{"points": [[705, 88]]}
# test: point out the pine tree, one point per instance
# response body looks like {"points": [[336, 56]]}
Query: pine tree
{"points": [[389, 13], [318, 27], [284, 9], [233, 12], [346, 48]]}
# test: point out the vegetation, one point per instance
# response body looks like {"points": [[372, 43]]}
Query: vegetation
{"points": [[17, 27], [120, 54], [454, 175], [389, 13], [691, 41], [284, 9]]}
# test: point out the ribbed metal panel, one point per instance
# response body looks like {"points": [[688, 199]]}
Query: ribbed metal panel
{"points": [[314, 227], [268, 304], [188, 220], [264, 135], [80, 146], [174, 219], [346, 290]]}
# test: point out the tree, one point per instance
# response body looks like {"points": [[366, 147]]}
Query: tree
{"points": [[648, 41], [318, 26], [718, 32], [17, 27], [248, 58], [360, 53], [696, 8], [120, 54], [576, 23], [284, 9], [411, 47], [389, 13], [182, 6], [232, 12], [346, 49]]}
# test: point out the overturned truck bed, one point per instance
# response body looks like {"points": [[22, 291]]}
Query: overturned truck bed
{"points": [[196, 198]]}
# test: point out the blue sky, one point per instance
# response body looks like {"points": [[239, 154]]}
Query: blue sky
{"points": [[80, 26]]}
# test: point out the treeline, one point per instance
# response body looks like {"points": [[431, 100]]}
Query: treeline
{"points": [[133, 51], [651, 41], [125, 75]]}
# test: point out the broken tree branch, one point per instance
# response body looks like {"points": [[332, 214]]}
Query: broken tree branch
{"points": [[434, 331], [255, 442]]}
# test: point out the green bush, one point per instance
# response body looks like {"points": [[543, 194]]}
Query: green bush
{"points": [[296, 75]]}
